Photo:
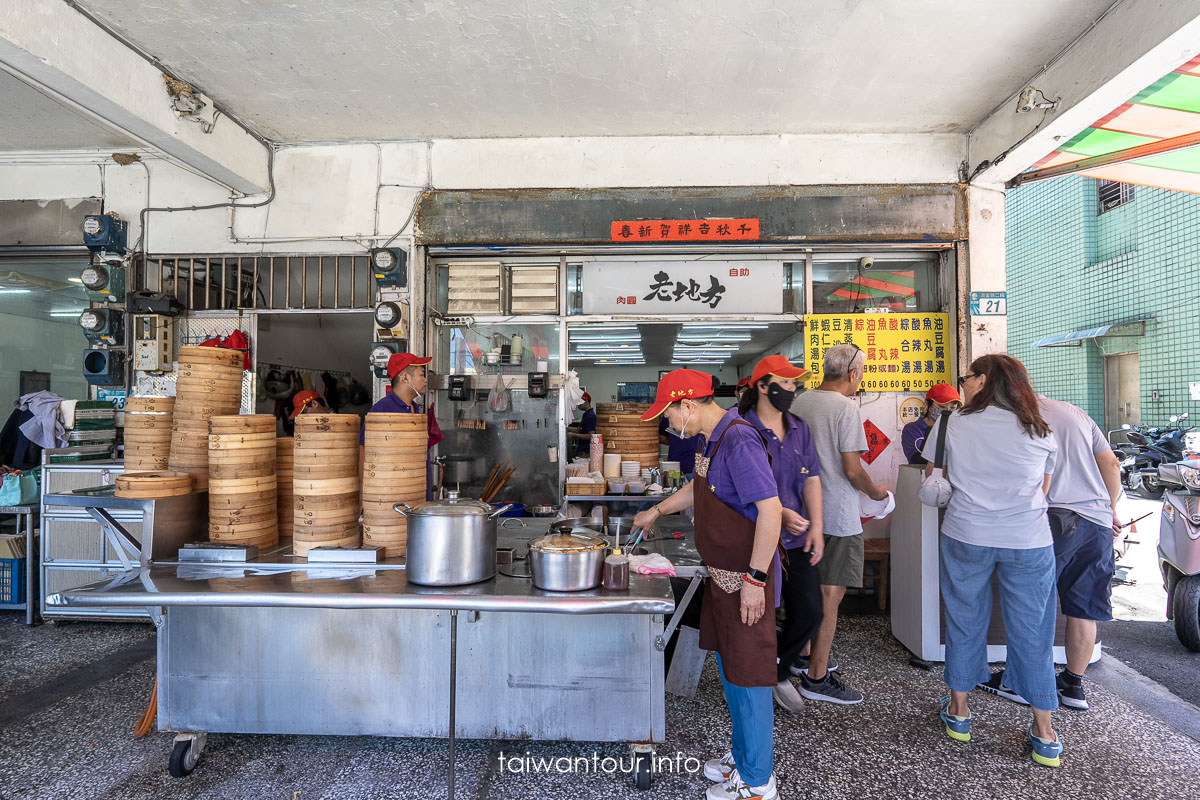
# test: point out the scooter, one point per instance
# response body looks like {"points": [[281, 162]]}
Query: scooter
{"points": [[1158, 447], [1179, 548]]}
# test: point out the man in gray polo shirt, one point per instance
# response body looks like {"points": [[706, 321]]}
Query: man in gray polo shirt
{"points": [[837, 430], [1083, 496]]}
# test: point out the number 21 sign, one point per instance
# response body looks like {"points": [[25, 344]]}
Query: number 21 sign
{"points": [[989, 304]]}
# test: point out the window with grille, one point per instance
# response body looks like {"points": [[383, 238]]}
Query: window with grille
{"points": [[1113, 194]]}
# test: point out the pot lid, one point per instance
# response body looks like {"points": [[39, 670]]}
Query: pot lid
{"points": [[568, 543], [453, 506]]}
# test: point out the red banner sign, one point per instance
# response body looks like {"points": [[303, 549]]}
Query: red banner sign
{"points": [[685, 230], [877, 442]]}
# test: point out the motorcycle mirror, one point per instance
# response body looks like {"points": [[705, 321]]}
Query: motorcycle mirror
{"points": [[1173, 419], [1126, 427], [1186, 414]]}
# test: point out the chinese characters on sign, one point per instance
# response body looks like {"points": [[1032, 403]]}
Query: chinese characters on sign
{"points": [[905, 352], [685, 230], [877, 442], [682, 287]]}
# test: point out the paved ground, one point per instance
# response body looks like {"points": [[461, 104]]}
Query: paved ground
{"points": [[1140, 634], [74, 693]]}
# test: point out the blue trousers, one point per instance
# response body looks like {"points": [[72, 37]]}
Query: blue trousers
{"points": [[752, 712], [1027, 602]]}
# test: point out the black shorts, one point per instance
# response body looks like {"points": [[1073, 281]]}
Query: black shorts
{"points": [[1083, 553]]}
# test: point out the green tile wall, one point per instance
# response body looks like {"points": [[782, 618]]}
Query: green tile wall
{"points": [[1070, 268]]}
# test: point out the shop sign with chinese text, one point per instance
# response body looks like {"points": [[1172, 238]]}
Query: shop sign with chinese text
{"points": [[683, 287], [684, 230], [905, 352]]}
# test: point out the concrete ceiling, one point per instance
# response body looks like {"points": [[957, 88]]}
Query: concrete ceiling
{"points": [[30, 120], [314, 70]]}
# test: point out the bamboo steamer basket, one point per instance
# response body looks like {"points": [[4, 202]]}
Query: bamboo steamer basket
{"points": [[395, 449], [194, 354], [283, 474], [325, 484], [625, 433], [147, 433], [242, 483], [153, 484], [390, 420]]}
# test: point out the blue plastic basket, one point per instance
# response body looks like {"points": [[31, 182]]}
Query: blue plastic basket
{"points": [[12, 581]]}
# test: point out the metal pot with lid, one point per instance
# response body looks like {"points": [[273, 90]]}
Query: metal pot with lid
{"points": [[451, 542], [567, 562]]}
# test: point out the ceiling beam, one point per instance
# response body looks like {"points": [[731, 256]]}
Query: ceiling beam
{"points": [[1132, 45], [54, 49]]}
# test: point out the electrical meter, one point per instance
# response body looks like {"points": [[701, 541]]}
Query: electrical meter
{"points": [[459, 388], [105, 234], [153, 341], [103, 326], [104, 367], [380, 353], [104, 284], [389, 265], [539, 384], [391, 320]]}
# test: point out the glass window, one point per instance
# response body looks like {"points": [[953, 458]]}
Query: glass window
{"points": [[855, 285], [40, 303]]}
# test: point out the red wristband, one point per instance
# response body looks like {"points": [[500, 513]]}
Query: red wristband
{"points": [[753, 582]]}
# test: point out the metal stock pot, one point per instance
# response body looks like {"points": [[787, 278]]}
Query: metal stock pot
{"points": [[567, 562], [451, 542]]}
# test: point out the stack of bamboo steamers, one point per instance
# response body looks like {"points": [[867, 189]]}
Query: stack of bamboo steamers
{"points": [[148, 433], [325, 482], [395, 447], [625, 433], [241, 487], [208, 384]]}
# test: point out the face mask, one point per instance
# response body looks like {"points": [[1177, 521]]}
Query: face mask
{"points": [[780, 397], [934, 413], [678, 434]]}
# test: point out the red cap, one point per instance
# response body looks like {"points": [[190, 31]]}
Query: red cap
{"points": [[587, 397], [680, 384], [303, 400], [780, 367], [398, 362], [743, 382], [943, 393]]}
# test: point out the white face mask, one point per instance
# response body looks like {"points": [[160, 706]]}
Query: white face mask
{"points": [[678, 434]]}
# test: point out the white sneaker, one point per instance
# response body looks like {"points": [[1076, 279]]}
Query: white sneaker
{"points": [[787, 698], [718, 770], [736, 789]]}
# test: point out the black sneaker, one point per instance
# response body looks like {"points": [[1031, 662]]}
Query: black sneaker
{"points": [[800, 666], [1070, 694], [995, 685], [829, 690]]}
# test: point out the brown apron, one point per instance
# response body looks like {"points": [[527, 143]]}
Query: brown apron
{"points": [[725, 540]]}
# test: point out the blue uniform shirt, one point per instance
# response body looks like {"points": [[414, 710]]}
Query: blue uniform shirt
{"points": [[740, 474], [587, 424], [912, 440], [681, 450], [793, 461]]}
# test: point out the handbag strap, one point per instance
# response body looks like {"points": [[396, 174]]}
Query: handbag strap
{"points": [[939, 457]]}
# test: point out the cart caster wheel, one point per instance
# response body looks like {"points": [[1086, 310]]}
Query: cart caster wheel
{"points": [[643, 770], [186, 755]]}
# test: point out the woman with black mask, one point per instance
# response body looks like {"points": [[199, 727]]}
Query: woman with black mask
{"points": [[766, 404]]}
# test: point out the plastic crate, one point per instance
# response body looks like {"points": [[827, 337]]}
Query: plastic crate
{"points": [[12, 581]]}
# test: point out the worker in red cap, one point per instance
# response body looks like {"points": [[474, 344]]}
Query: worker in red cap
{"points": [[740, 389], [409, 384], [767, 404], [583, 430], [737, 520], [308, 402], [940, 397]]}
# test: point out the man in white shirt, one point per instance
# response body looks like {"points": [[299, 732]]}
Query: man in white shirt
{"points": [[837, 430]]}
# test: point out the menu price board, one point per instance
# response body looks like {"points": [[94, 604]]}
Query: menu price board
{"points": [[905, 352]]}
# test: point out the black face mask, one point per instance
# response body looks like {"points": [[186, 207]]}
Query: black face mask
{"points": [[780, 397]]}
